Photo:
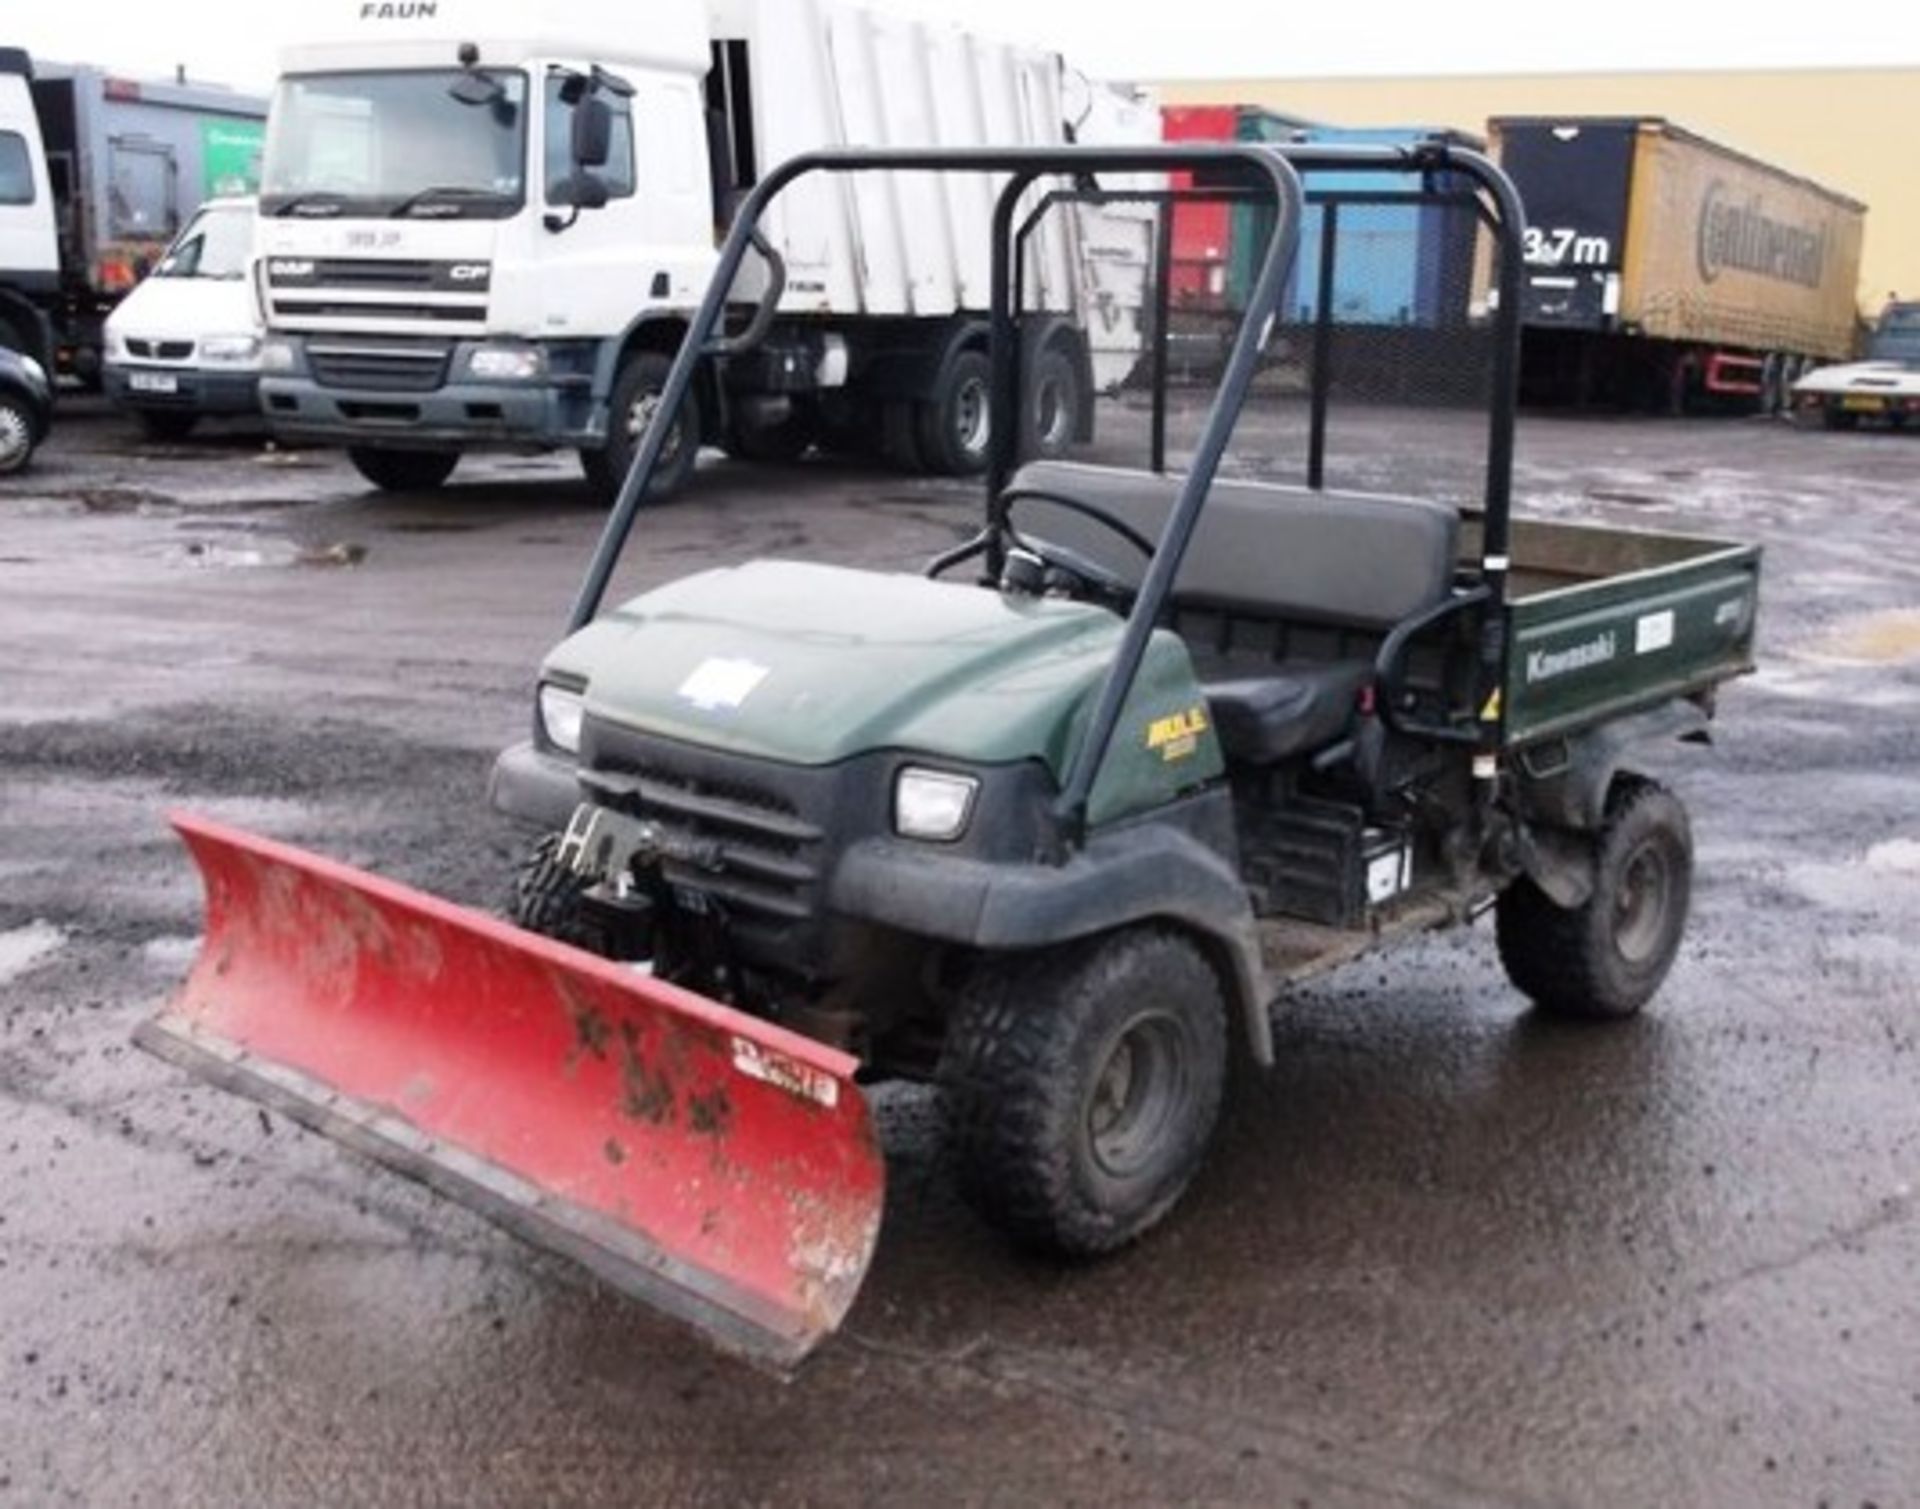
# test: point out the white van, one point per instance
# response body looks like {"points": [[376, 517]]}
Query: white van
{"points": [[186, 343]]}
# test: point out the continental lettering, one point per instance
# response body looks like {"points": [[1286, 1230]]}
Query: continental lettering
{"points": [[1739, 235], [1544, 665]]}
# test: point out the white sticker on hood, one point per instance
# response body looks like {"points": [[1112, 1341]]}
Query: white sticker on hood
{"points": [[718, 683]]}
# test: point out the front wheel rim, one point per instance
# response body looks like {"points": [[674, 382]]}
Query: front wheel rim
{"points": [[1641, 905], [645, 409], [1138, 1093]]}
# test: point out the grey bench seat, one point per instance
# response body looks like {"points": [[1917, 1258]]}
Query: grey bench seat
{"points": [[1357, 563]]}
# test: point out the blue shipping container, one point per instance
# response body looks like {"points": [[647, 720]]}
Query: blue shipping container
{"points": [[1393, 264]]}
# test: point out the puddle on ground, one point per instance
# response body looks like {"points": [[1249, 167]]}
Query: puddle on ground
{"points": [[25, 947], [431, 526], [219, 555], [1897, 856], [1878, 639], [115, 499], [172, 953]]}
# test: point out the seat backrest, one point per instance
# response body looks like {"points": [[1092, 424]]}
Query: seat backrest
{"points": [[1261, 548]]}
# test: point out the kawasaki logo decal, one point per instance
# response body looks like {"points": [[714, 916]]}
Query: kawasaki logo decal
{"points": [[1544, 665]]}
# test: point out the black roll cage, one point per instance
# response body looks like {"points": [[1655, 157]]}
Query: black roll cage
{"points": [[1264, 172]]}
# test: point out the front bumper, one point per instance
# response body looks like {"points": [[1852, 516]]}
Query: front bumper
{"points": [[196, 390], [459, 414], [534, 785]]}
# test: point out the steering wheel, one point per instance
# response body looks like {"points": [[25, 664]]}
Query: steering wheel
{"points": [[1089, 573]]}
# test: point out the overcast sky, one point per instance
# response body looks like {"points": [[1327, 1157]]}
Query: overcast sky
{"points": [[234, 40]]}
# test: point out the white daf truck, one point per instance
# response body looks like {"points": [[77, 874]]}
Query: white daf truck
{"points": [[485, 226]]}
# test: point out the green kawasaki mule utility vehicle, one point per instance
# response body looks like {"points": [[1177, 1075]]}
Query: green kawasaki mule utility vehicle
{"points": [[1054, 823]]}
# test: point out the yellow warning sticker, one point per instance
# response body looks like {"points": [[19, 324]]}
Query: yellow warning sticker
{"points": [[1491, 712], [1178, 736]]}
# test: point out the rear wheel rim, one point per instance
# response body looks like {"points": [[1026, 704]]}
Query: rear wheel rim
{"points": [[15, 437], [972, 416], [1050, 415], [1641, 905], [1139, 1091]]}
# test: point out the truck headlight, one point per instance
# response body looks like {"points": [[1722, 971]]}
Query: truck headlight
{"points": [[278, 356], [932, 804], [507, 363], [230, 348], [561, 714]]}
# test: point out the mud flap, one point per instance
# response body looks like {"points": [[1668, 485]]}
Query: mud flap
{"points": [[718, 1167]]}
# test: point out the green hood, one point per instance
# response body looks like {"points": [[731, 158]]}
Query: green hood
{"points": [[813, 664]]}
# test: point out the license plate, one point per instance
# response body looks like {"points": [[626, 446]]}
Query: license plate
{"points": [[153, 382], [1863, 405]]}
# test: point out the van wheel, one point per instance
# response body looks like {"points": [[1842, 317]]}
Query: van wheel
{"points": [[1053, 405], [166, 424], [1607, 957], [636, 395], [1083, 1086], [403, 471], [955, 427]]}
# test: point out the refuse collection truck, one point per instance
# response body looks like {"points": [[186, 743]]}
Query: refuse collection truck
{"points": [[97, 175], [484, 229], [1668, 271]]}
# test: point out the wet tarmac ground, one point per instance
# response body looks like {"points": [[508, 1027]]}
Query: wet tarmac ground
{"points": [[1446, 1252]]}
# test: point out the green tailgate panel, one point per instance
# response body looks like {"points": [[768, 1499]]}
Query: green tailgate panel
{"points": [[1580, 655]]}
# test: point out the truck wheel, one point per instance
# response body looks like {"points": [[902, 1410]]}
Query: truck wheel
{"points": [[1083, 1085], [16, 435], [955, 427], [1053, 405], [636, 394], [1607, 957], [1836, 418], [403, 471], [166, 424], [546, 899]]}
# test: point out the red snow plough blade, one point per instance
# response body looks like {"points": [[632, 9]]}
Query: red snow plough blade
{"points": [[720, 1168]]}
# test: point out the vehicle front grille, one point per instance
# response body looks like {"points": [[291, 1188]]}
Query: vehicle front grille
{"points": [[166, 351], [379, 368], [387, 275], [337, 309], [725, 832], [741, 848]]}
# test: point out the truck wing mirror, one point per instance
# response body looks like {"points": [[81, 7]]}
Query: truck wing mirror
{"points": [[592, 132]]}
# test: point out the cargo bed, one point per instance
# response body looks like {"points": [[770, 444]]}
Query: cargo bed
{"points": [[1603, 621]]}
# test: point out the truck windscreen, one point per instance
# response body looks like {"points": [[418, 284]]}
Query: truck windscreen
{"points": [[396, 143]]}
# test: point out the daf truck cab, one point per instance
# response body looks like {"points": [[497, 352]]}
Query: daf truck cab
{"points": [[482, 228], [29, 239]]}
